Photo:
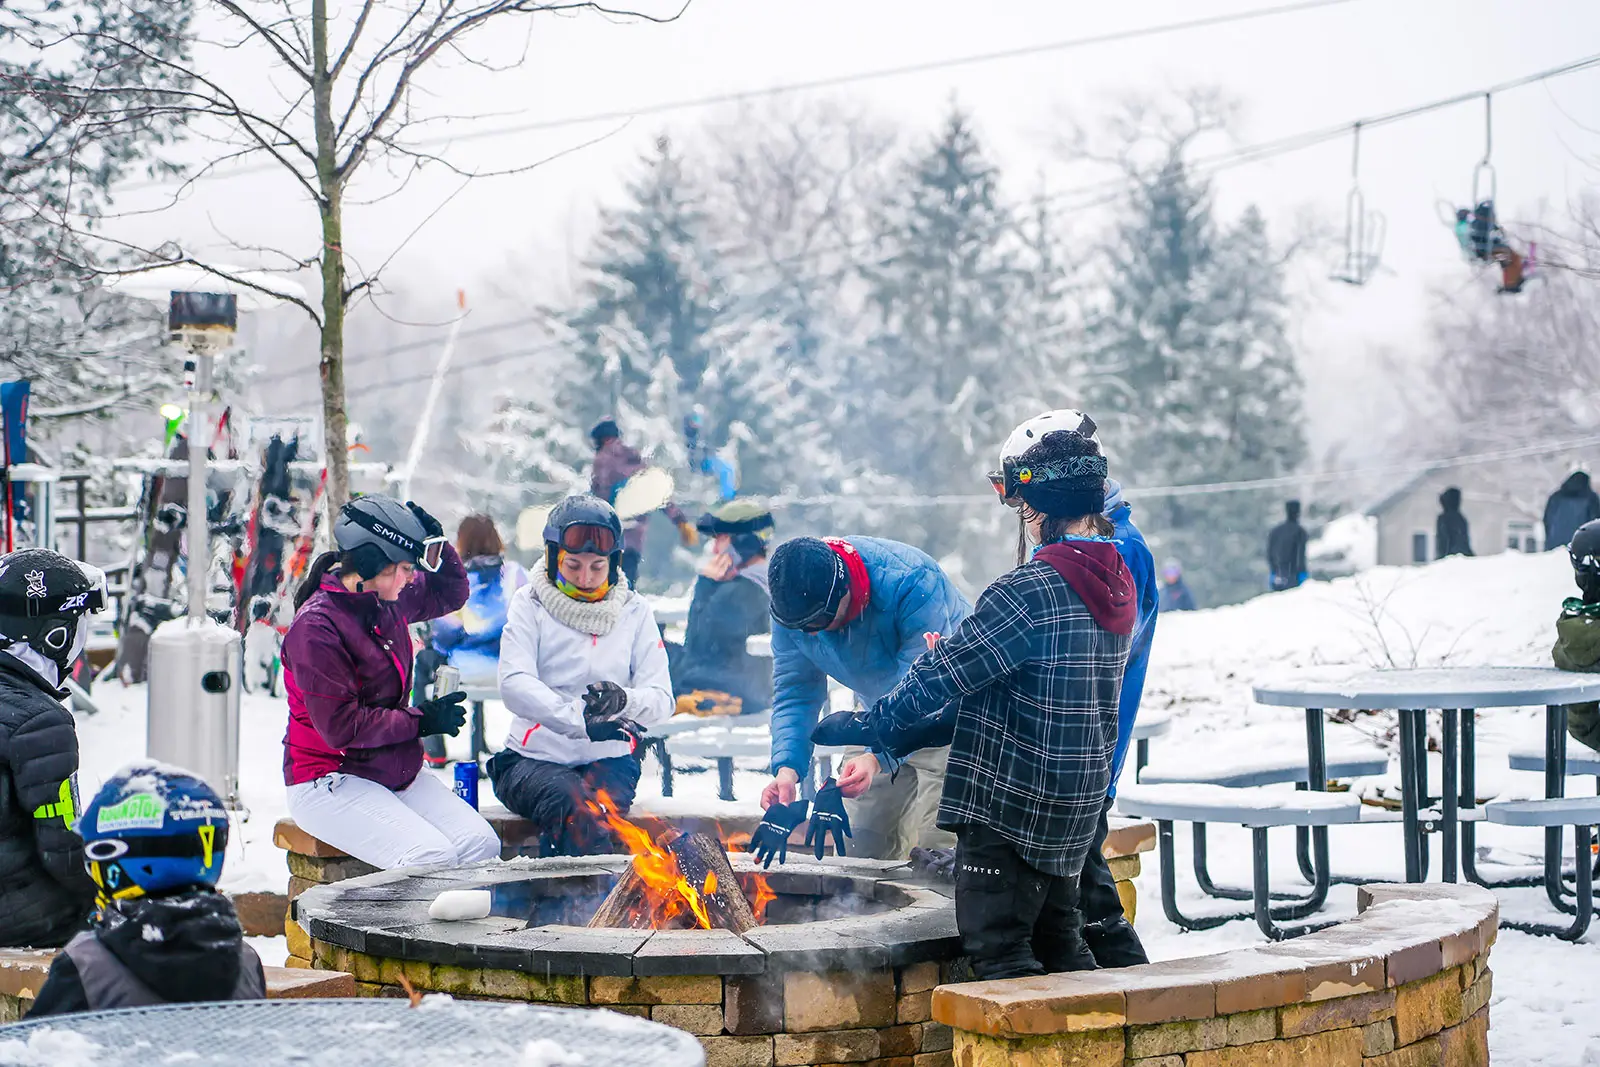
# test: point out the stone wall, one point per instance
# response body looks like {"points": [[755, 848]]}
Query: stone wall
{"points": [[23, 971], [1405, 984], [876, 1017]]}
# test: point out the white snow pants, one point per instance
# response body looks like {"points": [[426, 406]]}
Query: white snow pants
{"points": [[424, 823]]}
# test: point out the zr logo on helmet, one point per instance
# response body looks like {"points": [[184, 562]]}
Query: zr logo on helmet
{"points": [[73, 603]]}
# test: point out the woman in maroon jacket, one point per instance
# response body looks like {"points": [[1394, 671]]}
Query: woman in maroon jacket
{"points": [[352, 756]]}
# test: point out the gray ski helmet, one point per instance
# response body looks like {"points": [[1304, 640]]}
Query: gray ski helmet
{"points": [[583, 523], [43, 598], [377, 531]]}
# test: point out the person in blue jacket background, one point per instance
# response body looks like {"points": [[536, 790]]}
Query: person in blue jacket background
{"points": [[469, 639], [857, 609]]}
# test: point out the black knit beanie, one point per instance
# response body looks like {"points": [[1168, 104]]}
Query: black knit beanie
{"points": [[807, 579], [1063, 476]]}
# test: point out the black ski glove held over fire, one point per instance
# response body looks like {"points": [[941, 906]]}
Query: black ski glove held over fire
{"points": [[443, 715], [604, 700], [772, 836], [827, 815]]}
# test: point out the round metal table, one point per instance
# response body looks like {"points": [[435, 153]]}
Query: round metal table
{"points": [[1457, 693], [351, 1033]]}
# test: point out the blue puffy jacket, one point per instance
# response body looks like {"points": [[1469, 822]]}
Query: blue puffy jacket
{"points": [[469, 639], [1136, 554], [910, 596]]}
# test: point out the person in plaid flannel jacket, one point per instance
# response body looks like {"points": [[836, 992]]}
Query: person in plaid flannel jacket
{"points": [[1036, 673]]}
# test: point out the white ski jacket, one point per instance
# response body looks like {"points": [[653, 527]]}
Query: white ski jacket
{"points": [[554, 647]]}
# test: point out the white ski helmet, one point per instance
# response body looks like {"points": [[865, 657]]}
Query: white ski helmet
{"points": [[1029, 432]]}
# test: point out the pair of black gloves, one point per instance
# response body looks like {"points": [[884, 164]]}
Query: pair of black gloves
{"points": [[603, 703], [771, 839]]}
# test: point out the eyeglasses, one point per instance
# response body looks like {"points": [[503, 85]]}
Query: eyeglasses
{"points": [[585, 537]]}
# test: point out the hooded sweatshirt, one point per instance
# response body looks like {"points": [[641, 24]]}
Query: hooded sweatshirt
{"points": [[181, 948], [1569, 507], [1036, 671]]}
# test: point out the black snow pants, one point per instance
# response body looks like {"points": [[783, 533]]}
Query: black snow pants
{"points": [[553, 797], [1014, 919], [1106, 930]]}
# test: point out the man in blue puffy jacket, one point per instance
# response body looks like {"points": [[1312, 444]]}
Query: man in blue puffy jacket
{"points": [[856, 609]]}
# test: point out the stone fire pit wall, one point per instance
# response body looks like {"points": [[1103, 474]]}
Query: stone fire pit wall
{"points": [[1405, 984], [806, 989]]}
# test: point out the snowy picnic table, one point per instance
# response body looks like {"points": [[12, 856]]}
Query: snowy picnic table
{"points": [[1458, 693], [366, 1032]]}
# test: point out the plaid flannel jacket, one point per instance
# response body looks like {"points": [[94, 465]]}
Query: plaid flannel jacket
{"points": [[1037, 682]]}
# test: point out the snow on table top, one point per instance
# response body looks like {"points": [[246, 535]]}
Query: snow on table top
{"points": [[1191, 802], [1429, 687]]}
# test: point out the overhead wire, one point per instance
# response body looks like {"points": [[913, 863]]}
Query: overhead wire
{"points": [[1102, 192], [827, 82]]}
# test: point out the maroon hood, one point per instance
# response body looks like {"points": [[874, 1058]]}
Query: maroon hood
{"points": [[1098, 575]]}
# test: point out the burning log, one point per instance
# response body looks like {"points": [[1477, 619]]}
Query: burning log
{"points": [[694, 888]]}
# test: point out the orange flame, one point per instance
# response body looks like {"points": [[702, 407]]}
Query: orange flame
{"points": [[658, 868]]}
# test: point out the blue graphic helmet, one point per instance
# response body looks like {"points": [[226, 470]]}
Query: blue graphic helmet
{"points": [[153, 829]]}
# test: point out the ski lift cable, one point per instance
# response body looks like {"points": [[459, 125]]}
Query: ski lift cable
{"points": [[1234, 157], [1214, 488], [829, 82]]}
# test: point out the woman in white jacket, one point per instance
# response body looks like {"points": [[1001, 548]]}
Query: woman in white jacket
{"points": [[583, 673]]}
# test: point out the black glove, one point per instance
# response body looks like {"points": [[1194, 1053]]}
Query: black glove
{"points": [[604, 700], [845, 728], [615, 730], [430, 525], [772, 836], [938, 862], [827, 814], [444, 715]]}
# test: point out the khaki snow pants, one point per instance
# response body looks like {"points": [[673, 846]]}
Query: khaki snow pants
{"points": [[893, 817]]}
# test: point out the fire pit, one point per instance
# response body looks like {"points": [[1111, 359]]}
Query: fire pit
{"points": [[808, 963]]}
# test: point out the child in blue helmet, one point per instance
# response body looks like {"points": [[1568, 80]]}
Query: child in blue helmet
{"points": [[154, 839]]}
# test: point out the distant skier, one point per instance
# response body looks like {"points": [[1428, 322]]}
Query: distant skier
{"points": [[352, 757], [711, 671], [584, 674], [614, 464], [1578, 629], [45, 601], [1451, 535], [1175, 594], [1568, 508], [1286, 549], [162, 934], [469, 639]]}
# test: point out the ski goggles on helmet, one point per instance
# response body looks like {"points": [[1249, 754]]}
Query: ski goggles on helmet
{"points": [[93, 599], [427, 553], [582, 537], [1016, 475]]}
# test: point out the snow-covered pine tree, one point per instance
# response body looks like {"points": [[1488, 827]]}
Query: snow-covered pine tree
{"points": [[86, 99], [940, 384], [1205, 387]]}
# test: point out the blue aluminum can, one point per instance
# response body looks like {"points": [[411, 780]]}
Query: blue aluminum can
{"points": [[467, 782]]}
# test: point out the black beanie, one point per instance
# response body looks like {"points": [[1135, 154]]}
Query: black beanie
{"points": [[808, 580], [1063, 476]]}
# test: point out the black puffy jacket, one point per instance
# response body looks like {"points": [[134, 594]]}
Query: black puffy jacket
{"points": [[45, 894], [721, 616]]}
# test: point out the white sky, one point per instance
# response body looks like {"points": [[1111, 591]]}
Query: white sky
{"points": [[1291, 73]]}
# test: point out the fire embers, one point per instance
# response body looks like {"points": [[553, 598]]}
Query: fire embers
{"points": [[679, 881]]}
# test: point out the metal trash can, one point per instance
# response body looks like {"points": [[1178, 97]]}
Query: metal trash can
{"points": [[195, 672]]}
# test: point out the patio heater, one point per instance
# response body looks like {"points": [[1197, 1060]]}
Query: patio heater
{"points": [[196, 662]]}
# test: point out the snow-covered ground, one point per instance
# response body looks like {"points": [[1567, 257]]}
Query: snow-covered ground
{"points": [[1493, 610]]}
